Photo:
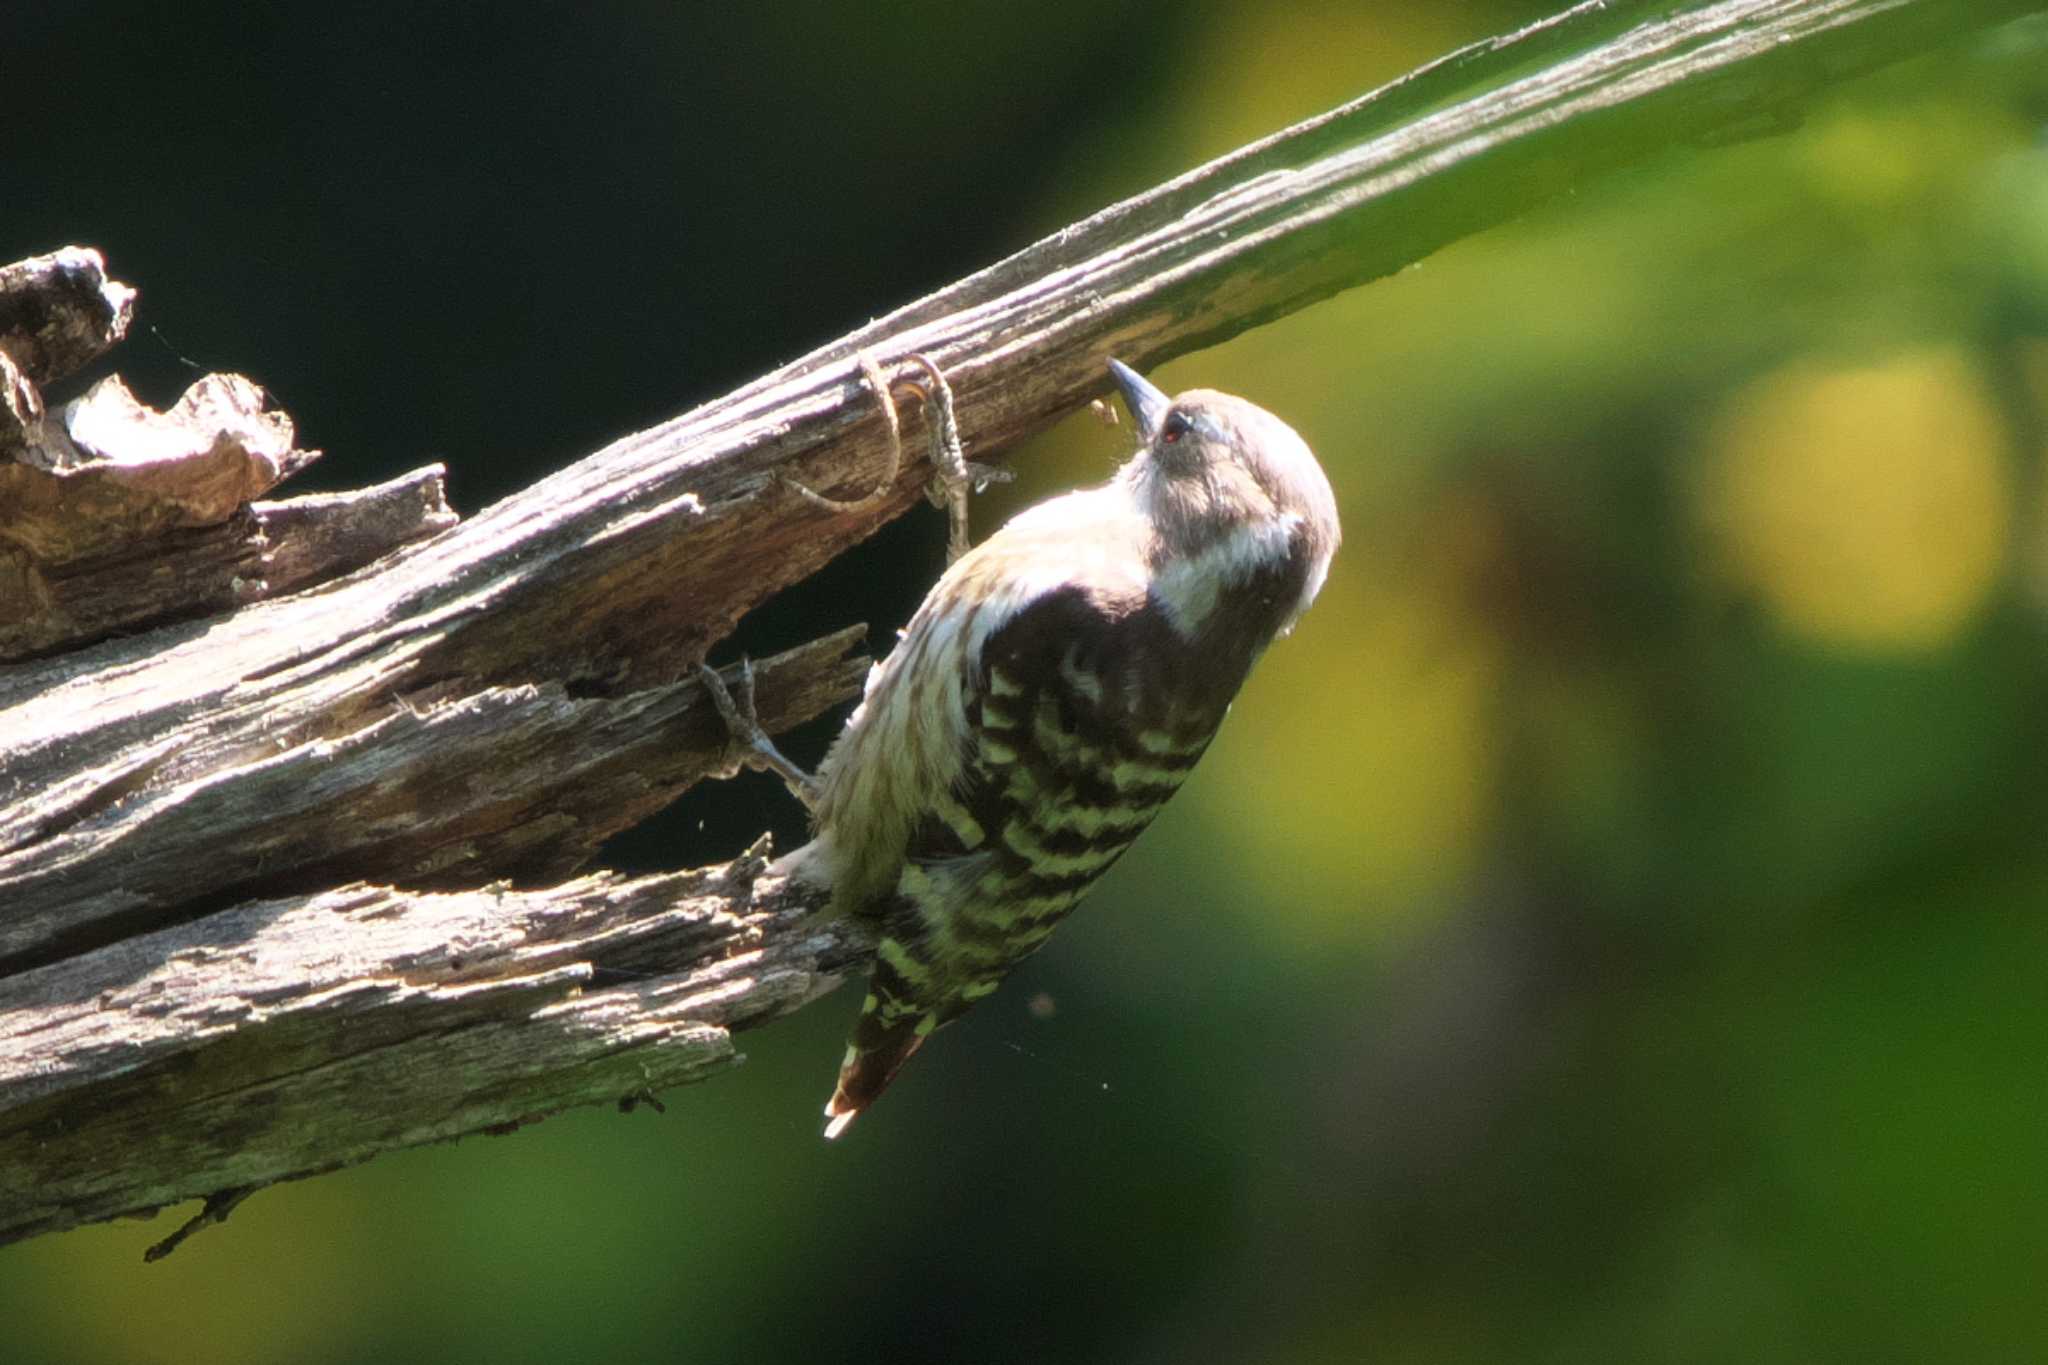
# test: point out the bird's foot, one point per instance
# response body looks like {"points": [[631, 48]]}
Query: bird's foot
{"points": [[758, 751], [953, 474]]}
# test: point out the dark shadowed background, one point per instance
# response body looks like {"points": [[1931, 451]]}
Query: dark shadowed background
{"points": [[1612, 928]]}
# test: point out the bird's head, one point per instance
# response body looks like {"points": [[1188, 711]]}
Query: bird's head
{"points": [[1220, 477]]}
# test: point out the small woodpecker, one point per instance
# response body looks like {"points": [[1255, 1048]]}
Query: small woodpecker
{"points": [[1055, 688]]}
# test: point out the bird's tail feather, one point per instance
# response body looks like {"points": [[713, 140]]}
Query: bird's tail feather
{"points": [[890, 1029], [866, 1075]]}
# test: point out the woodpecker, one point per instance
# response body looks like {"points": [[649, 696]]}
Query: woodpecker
{"points": [[1057, 685]]}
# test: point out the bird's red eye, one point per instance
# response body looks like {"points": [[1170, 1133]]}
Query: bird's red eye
{"points": [[1174, 427]]}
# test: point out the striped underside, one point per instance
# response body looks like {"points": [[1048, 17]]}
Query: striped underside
{"points": [[1084, 719]]}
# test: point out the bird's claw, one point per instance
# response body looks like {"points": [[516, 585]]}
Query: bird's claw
{"points": [[743, 725], [953, 477]]}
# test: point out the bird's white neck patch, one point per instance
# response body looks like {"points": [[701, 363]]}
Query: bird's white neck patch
{"points": [[1188, 588]]}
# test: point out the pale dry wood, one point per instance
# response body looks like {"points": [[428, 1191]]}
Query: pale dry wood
{"points": [[116, 517], [578, 603], [60, 312], [226, 1058], [258, 550], [421, 783]]}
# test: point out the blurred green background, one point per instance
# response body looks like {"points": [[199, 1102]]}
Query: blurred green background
{"points": [[1611, 928]]}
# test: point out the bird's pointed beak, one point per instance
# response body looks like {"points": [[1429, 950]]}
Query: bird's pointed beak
{"points": [[1147, 404]]}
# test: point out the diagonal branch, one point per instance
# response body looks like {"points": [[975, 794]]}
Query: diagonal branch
{"points": [[497, 700]]}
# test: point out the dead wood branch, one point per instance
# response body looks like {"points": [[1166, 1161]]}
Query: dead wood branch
{"points": [[203, 822]]}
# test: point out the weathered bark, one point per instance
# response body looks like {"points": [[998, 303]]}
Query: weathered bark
{"points": [[58, 313], [364, 1019], [207, 982]]}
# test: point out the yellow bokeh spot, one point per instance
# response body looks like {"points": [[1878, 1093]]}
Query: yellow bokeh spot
{"points": [[1859, 156], [2033, 368], [1868, 507]]}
